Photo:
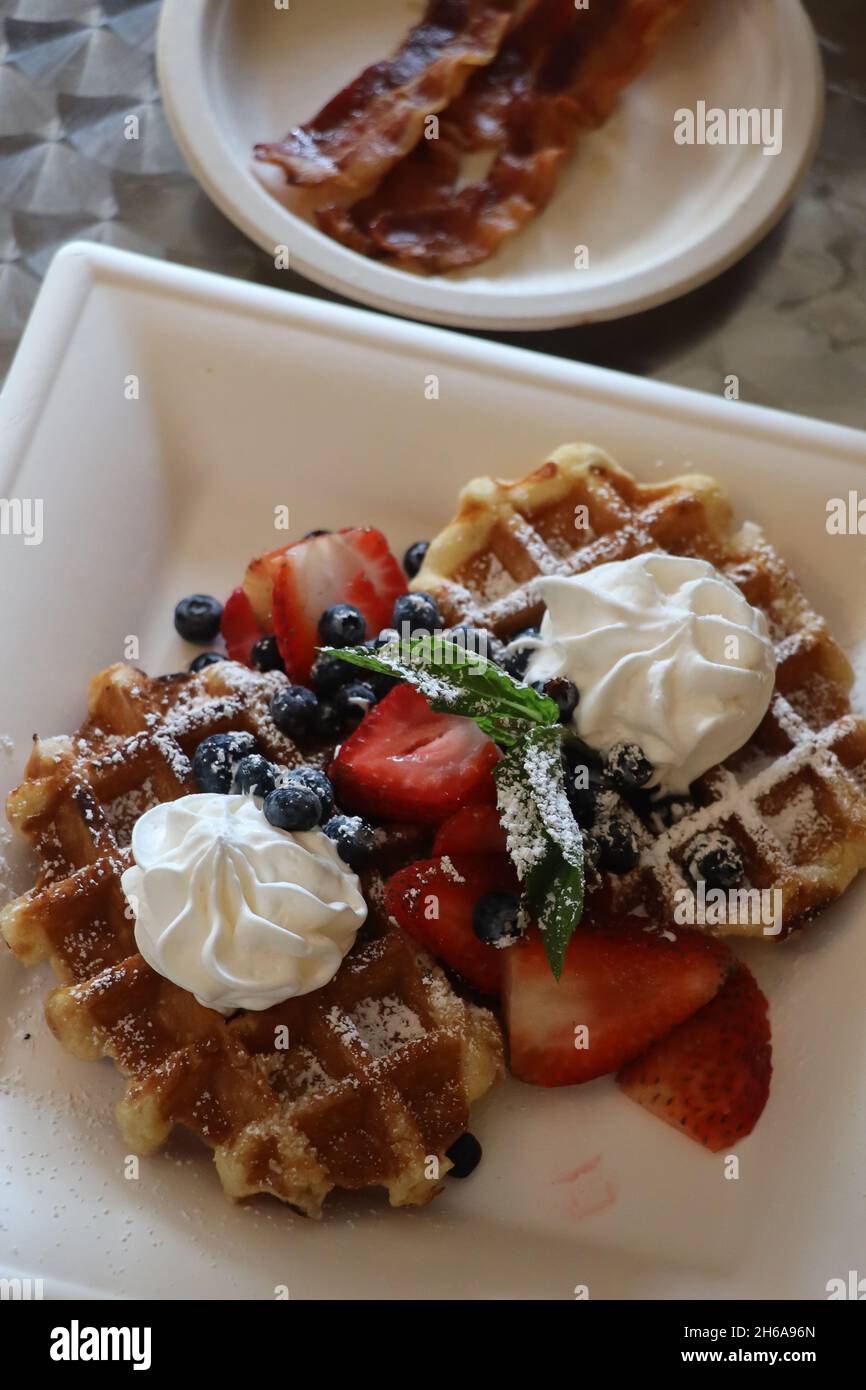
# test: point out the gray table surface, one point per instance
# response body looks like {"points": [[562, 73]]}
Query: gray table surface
{"points": [[789, 320]]}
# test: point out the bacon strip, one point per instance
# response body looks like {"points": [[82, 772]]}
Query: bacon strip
{"points": [[561, 72], [373, 122]]}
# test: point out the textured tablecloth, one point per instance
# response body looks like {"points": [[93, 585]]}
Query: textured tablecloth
{"points": [[789, 320]]}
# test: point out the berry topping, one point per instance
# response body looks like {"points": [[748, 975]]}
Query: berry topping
{"points": [[353, 701], [328, 673], [471, 830], [197, 618], [215, 759], [477, 640], [621, 988], [204, 659], [710, 1076], [618, 847], [516, 658], [265, 655], [404, 762], [583, 786], [342, 625], [326, 721], [315, 781], [420, 611], [254, 775], [495, 918], [465, 1156], [628, 767], [414, 557], [240, 627], [564, 695], [293, 807], [377, 680], [354, 838], [716, 859], [292, 710]]}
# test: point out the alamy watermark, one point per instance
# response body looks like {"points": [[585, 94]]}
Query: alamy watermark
{"points": [[22, 516], [739, 125], [737, 907]]}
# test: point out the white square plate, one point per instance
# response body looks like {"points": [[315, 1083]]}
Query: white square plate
{"points": [[249, 398]]}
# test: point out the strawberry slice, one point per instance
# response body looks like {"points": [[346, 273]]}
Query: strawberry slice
{"points": [[433, 901], [259, 582], [239, 627], [621, 986], [471, 830], [404, 762], [710, 1077], [353, 566]]}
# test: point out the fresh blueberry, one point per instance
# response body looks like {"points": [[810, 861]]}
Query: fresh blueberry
{"points": [[292, 710], [342, 625], [293, 807], [716, 859], [353, 701], [326, 721], [465, 1154], [265, 654], [197, 618], [317, 782], [582, 787], [204, 659], [330, 672], [564, 695], [354, 838], [628, 767], [414, 557], [215, 758], [254, 775], [420, 611], [516, 657], [618, 848], [495, 918]]}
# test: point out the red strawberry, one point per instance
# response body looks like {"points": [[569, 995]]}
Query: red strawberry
{"points": [[259, 585], [471, 830], [353, 566], [239, 627], [710, 1077], [624, 985], [404, 762], [433, 901]]}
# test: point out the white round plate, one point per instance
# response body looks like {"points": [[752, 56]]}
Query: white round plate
{"points": [[657, 218]]}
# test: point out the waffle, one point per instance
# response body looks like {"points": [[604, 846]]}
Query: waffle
{"points": [[794, 798], [360, 1084]]}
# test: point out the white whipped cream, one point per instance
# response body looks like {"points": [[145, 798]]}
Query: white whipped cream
{"points": [[648, 643], [239, 913]]}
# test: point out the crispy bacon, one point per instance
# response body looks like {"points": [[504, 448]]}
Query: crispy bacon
{"points": [[373, 122], [560, 72]]}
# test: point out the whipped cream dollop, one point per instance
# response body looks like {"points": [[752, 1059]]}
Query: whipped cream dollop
{"points": [[239, 913], [666, 653]]}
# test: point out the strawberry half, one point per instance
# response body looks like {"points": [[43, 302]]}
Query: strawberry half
{"points": [[239, 627], [625, 986], [710, 1077], [259, 583], [471, 830], [353, 566], [404, 762], [434, 900]]}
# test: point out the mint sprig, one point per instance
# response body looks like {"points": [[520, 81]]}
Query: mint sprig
{"points": [[542, 835]]}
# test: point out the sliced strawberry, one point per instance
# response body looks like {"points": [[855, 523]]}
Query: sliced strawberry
{"points": [[239, 627], [353, 566], [404, 762], [433, 901], [259, 584], [622, 984], [471, 830], [710, 1076]]}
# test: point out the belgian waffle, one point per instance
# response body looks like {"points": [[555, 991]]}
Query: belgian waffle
{"points": [[364, 1083], [794, 798]]}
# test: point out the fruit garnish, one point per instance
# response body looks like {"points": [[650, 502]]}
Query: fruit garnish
{"points": [[240, 627], [434, 900], [471, 830], [710, 1076], [405, 762], [197, 618], [621, 988]]}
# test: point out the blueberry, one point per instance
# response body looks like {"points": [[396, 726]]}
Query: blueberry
{"points": [[254, 775], [293, 807], [477, 640], [414, 557], [495, 918], [354, 838], [618, 848], [292, 710], [329, 673], [564, 695], [420, 611], [215, 758], [583, 796], [342, 625], [265, 655], [465, 1154], [628, 767], [326, 721], [716, 859], [204, 659], [197, 618], [315, 781], [516, 661], [353, 701]]}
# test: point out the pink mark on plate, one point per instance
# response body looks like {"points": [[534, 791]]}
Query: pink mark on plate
{"points": [[589, 1190]]}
